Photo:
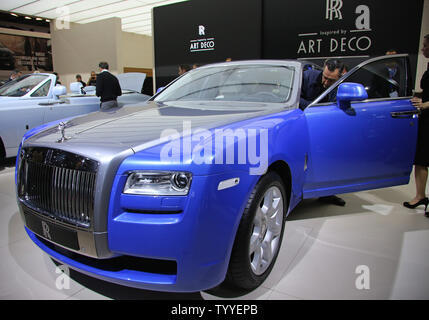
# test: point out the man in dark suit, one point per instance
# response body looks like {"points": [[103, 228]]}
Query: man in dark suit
{"points": [[107, 87], [315, 82]]}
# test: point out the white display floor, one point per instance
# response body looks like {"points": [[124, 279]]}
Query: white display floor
{"points": [[373, 248]]}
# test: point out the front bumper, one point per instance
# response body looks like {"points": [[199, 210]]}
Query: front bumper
{"points": [[195, 233]]}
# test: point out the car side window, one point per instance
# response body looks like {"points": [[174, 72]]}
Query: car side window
{"points": [[385, 78], [43, 90]]}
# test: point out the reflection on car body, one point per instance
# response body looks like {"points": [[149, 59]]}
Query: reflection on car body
{"points": [[193, 187]]}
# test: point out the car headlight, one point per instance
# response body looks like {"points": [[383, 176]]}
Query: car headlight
{"points": [[158, 183]]}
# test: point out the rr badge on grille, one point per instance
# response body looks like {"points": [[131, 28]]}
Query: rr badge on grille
{"points": [[46, 231], [62, 128]]}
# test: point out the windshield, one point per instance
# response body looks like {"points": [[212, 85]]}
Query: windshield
{"points": [[22, 85], [250, 83]]}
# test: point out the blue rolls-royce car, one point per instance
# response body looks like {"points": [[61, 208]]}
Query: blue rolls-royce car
{"points": [[35, 99], [192, 189]]}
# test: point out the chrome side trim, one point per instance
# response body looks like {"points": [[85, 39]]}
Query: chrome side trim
{"points": [[225, 184], [363, 101]]}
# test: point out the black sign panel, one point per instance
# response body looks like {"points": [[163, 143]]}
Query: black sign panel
{"points": [[204, 31], [25, 53], [310, 29]]}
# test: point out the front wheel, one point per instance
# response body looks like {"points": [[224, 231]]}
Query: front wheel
{"points": [[259, 234]]}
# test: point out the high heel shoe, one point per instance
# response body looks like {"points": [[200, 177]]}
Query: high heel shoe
{"points": [[424, 201]]}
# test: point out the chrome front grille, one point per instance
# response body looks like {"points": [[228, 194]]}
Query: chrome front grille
{"points": [[58, 184]]}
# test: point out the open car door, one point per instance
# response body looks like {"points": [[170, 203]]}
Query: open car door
{"points": [[132, 81], [365, 143]]}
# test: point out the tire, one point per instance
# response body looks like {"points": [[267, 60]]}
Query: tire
{"points": [[261, 228], [2, 152]]}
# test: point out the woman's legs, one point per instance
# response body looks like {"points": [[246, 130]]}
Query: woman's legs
{"points": [[421, 176]]}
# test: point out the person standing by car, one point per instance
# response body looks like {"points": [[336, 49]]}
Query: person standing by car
{"points": [[79, 79], [92, 79], [58, 78], [107, 87], [314, 83], [13, 75], [183, 68], [421, 160]]}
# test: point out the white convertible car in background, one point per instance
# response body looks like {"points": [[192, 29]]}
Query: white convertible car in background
{"points": [[34, 99]]}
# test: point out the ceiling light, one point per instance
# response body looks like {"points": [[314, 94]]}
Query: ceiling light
{"points": [[47, 20], [28, 18], [39, 19], [14, 14]]}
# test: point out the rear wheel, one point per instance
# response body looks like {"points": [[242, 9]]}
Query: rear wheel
{"points": [[259, 234]]}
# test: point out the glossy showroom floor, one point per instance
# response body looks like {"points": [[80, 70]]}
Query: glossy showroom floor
{"points": [[373, 248]]}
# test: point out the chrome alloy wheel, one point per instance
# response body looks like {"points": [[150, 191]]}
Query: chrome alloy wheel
{"points": [[267, 227]]}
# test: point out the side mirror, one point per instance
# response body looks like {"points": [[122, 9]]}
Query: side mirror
{"points": [[59, 90], [89, 89], [348, 92], [75, 87]]}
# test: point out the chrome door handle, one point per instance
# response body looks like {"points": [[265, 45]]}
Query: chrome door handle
{"points": [[404, 114], [51, 103]]}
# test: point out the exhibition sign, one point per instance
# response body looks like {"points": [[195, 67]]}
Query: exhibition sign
{"points": [[354, 29], [207, 31], [204, 31]]}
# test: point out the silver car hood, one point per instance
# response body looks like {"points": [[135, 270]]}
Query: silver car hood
{"points": [[140, 127]]}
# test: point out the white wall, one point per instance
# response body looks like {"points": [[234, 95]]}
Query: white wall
{"points": [[136, 51], [79, 49]]}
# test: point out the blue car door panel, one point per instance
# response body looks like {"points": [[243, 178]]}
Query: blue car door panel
{"points": [[370, 145]]}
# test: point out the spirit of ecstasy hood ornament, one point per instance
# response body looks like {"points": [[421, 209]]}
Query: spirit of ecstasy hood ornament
{"points": [[61, 128]]}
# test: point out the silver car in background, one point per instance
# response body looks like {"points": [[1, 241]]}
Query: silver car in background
{"points": [[35, 99]]}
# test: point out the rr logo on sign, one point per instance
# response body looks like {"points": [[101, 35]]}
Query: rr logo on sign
{"points": [[333, 9], [201, 30]]}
